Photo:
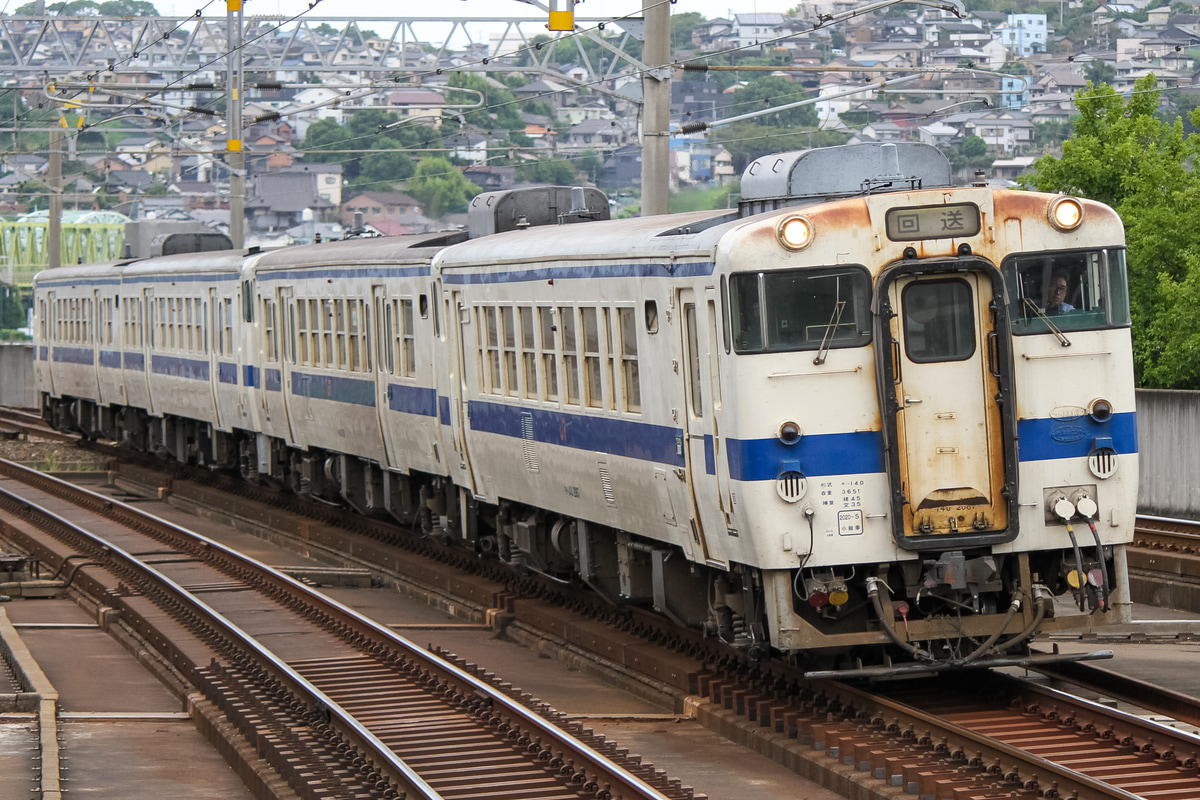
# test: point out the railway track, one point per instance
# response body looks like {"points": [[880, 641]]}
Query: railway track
{"points": [[339, 705], [992, 737]]}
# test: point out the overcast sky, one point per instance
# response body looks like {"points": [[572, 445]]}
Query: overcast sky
{"points": [[711, 9]]}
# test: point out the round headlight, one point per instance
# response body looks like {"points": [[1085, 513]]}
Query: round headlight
{"points": [[795, 233], [1101, 411], [1066, 213]]}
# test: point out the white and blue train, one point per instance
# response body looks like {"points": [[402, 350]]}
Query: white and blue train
{"points": [[860, 413]]}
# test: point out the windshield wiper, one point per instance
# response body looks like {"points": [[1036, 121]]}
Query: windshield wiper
{"points": [[1062, 337], [838, 307]]}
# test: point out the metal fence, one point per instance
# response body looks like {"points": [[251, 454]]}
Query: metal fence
{"points": [[16, 375], [23, 247], [1168, 427]]}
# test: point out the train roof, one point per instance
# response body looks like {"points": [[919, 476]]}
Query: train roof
{"points": [[68, 272], [691, 234], [411, 249]]}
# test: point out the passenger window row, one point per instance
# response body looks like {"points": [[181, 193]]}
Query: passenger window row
{"points": [[582, 355]]}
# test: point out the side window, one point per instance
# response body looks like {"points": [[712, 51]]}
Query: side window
{"points": [[270, 339], [549, 349], [408, 340], [354, 320], [630, 379], [509, 348], [339, 327], [388, 348], [528, 352], [593, 388], [492, 344], [693, 356], [570, 350], [327, 334]]}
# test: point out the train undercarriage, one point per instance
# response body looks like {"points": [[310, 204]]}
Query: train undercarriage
{"points": [[946, 609]]}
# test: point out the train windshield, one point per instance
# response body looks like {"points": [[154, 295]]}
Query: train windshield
{"points": [[1070, 291], [807, 309]]}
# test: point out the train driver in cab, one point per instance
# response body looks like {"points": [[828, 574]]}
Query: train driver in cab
{"points": [[1055, 296]]}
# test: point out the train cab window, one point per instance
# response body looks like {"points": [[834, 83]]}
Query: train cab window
{"points": [[808, 309], [1070, 291], [939, 321], [248, 301], [423, 305]]}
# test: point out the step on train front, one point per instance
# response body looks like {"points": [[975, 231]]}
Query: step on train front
{"points": [[869, 415]]}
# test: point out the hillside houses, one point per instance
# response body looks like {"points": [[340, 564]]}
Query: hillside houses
{"points": [[1005, 78]]}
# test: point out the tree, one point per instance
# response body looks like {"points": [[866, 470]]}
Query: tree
{"points": [[769, 91], [1125, 156], [553, 171], [682, 26], [440, 187], [592, 163], [1099, 72]]}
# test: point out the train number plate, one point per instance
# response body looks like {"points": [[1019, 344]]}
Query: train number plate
{"points": [[955, 221]]}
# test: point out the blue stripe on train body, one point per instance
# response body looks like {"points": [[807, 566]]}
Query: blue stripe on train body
{"points": [[1075, 437], [413, 399], [74, 355], [692, 269], [179, 367], [619, 437], [355, 391]]}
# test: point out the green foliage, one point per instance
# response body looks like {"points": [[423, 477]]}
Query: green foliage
{"points": [[1099, 72], [590, 162], [703, 199], [971, 153], [500, 109], [89, 8], [440, 187], [749, 140], [1122, 154], [768, 91], [682, 26], [553, 171], [12, 310]]}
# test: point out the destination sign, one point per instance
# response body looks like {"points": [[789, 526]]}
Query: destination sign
{"points": [[932, 222]]}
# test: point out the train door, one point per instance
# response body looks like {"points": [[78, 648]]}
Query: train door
{"points": [[707, 522], [271, 389], [950, 426], [458, 328], [212, 343], [150, 319], [46, 359], [384, 332]]}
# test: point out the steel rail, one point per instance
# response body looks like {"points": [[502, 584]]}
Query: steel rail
{"points": [[364, 740], [1069, 780], [622, 782]]}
